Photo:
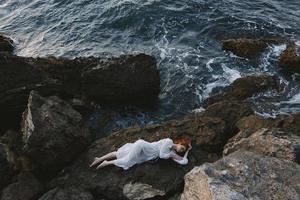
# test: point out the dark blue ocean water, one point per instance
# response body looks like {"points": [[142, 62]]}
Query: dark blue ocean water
{"points": [[184, 36]]}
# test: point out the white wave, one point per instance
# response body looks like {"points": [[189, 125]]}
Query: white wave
{"points": [[198, 110], [230, 74], [266, 115], [278, 49], [208, 64], [295, 99], [210, 86]]}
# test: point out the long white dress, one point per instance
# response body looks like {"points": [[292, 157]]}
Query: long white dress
{"points": [[142, 151]]}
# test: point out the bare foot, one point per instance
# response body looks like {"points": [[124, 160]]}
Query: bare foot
{"points": [[96, 160], [103, 164]]}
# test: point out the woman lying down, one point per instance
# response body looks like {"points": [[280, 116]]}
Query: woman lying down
{"points": [[142, 151]]}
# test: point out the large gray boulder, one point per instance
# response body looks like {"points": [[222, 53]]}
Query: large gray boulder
{"points": [[27, 187], [244, 175], [52, 132], [154, 179], [270, 142], [128, 79]]}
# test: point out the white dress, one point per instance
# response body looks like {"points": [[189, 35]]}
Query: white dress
{"points": [[142, 151]]}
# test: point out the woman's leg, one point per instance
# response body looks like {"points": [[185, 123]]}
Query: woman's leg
{"points": [[106, 163], [105, 157]]}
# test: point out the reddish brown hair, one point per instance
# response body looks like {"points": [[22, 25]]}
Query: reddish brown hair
{"points": [[183, 141]]}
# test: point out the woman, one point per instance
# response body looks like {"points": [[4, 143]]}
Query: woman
{"points": [[142, 151]]}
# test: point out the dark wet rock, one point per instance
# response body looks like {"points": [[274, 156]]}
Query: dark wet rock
{"points": [[245, 87], [244, 47], [17, 79], [269, 142], [27, 187], [6, 44], [249, 48], [244, 175], [162, 178], [287, 123], [67, 194], [130, 79], [230, 112], [6, 171], [289, 60], [13, 147], [53, 134], [253, 123], [154, 179]]}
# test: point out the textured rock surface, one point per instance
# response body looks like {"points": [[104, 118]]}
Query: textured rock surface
{"points": [[6, 171], [6, 44], [158, 179], [67, 194], [290, 59], [270, 142], [13, 147], [249, 48], [244, 175], [27, 187], [140, 191], [246, 87], [244, 47], [128, 79], [253, 123], [230, 112], [52, 132], [163, 177], [132, 79], [288, 124]]}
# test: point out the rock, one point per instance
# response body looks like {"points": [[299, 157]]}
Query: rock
{"points": [[130, 79], [289, 124], [245, 87], [253, 123], [27, 187], [154, 179], [243, 175], [249, 48], [13, 147], [6, 44], [139, 191], [6, 171], [289, 60], [269, 142], [52, 133], [67, 194], [243, 47], [230, 112], [17, 79]]}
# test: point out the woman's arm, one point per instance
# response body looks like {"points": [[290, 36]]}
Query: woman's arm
{"points": [[182, 160]]}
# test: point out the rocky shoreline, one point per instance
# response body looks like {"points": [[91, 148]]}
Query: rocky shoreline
{"points": [[45, 148]]}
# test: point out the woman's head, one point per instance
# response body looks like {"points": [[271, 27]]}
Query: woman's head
{"points": [[181, 145]]}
